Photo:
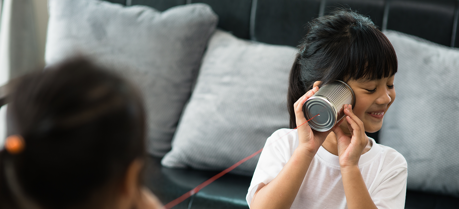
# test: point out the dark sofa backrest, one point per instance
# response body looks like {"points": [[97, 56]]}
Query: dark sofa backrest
{"points": [[283, 21]]}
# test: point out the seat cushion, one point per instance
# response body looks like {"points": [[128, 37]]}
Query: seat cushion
{"points": [[227, 192]]}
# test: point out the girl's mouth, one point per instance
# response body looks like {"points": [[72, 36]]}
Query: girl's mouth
{"points": [[378, 114]]}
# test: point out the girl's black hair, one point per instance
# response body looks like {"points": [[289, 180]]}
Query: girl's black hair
{"points": [[82, 125], [341, 46]]}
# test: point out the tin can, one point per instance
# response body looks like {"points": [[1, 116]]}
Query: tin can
{"points": [[328, 104]]}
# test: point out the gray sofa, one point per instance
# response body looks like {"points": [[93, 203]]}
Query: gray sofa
{"points": [[275, 23], [282, 23]]}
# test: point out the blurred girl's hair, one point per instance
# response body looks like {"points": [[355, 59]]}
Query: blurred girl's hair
{"points": [[82, 126]]}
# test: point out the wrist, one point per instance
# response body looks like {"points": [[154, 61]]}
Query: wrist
{"points": [[349, 169], [306, 150]]}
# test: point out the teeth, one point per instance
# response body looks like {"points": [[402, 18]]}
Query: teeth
{"points": [[377, 113]]}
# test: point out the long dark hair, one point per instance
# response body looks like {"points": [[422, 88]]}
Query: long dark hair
{"points": [[341, 46], [82, 126]]}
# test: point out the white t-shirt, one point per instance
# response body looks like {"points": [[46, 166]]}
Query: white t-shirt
{"points": [[383, 169]]}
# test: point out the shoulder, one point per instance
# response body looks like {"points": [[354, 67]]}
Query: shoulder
{"points": [[285, 132], [284, 136], [392, 158], [281, 144]]}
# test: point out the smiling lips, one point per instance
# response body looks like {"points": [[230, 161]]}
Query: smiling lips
{"points": [[378, 114]]}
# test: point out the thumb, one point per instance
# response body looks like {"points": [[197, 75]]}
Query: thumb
{"points": [[337, 129]]}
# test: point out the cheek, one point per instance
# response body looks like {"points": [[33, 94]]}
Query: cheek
{"points": [[361, 106], [359, 111]]}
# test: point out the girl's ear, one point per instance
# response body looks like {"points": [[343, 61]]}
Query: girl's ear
{"points": [[130, 187], [317, 83]]}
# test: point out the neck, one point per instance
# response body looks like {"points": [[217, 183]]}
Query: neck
{"points": [[331, 143]]}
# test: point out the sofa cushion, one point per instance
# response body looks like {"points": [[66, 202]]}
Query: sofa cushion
{"points": [[422, 122], [239, 100], [160, 52]]}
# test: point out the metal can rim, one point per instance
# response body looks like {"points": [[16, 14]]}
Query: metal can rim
{"points": [[324, 100]]}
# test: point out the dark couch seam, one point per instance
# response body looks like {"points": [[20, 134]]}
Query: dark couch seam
{"points": [[455, 23], [253, 14], [322, 7], [385, 15], [190, 204]]}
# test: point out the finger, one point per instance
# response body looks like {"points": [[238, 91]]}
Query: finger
{"points": [[349, 112], [302, 98], [359, 136], [354, 126], [300, 101], [298, 107], [317, 83], [337, 130], [315, 89]]}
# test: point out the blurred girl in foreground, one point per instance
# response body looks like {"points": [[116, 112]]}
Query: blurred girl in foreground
{"points": [[77, 141]]}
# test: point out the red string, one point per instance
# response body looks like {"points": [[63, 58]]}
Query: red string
{"points": [[207, 182]]}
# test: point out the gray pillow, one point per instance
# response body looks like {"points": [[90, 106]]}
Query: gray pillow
{"points": [[160, 52], [422, 123], [238, 102]]}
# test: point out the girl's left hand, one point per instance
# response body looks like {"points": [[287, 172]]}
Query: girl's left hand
{"points": [[350, 148]]}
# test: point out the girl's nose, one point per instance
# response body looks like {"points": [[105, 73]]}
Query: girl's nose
{"points": [[384, 97]]}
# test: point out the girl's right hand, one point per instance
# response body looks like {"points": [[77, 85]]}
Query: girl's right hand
{"points": [[308, 138]]}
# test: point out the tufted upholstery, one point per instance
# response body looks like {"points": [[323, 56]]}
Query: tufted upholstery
{"points": [[282, 22]]}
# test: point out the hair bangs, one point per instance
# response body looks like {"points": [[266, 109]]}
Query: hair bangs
{"points": [[371, 56]]}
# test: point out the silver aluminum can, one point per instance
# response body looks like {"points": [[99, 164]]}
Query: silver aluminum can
{"points": [[328, 105]]}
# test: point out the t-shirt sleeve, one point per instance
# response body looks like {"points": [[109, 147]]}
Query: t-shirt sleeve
{"points": [[277, 151], [390, 192]]}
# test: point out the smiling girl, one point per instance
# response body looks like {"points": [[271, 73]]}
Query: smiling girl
{"points": [[341, 168]]}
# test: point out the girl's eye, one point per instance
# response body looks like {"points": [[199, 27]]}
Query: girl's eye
{"points": [[390, 86], [371, 90]]}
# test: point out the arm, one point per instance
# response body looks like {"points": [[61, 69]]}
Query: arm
{"points": [[350, 149], [282, 190], [357, 195]]}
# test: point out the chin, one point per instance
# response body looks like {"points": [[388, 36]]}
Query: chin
{"points": [[374, 128], [372, 131]]}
